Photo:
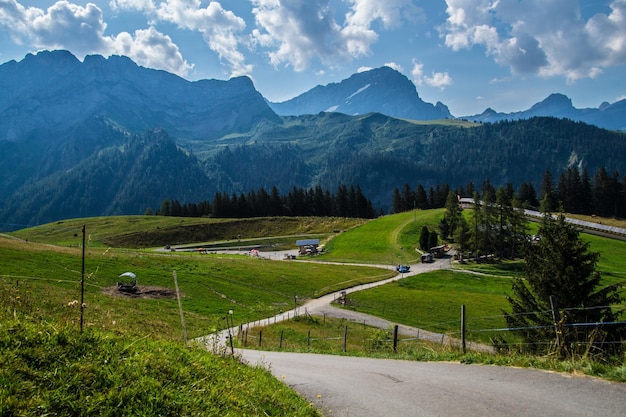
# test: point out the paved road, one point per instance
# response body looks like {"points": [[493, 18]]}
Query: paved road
{"points": [[365, 387]]}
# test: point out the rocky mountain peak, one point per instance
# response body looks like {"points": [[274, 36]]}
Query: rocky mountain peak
{"points": [[383, 90], [54, 91]]}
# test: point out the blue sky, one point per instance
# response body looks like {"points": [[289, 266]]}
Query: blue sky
{"points": [[468, 54]]}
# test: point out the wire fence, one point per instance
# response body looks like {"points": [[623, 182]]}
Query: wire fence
{"points": [[375, 334]]}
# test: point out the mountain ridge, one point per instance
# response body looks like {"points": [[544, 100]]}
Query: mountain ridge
{"points": [[383, 90], [607, 115], [39, 87]]}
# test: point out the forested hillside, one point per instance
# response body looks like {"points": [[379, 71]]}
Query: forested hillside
{"points": [[380, 153], [100, 169]]}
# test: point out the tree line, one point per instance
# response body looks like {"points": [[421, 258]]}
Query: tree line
{"points": [[560, 305], [575, 191], [315, 201]]}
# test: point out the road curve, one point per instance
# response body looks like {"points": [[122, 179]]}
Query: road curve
{"points": [[365, 387]]}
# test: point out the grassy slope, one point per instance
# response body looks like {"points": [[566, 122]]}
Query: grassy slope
{"points": [[125, 362], [50, 370], [155, 231], [212, 285], [388, 240], [433, 300]]}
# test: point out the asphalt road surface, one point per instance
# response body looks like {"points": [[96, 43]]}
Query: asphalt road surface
{"points": [[365, 387]]}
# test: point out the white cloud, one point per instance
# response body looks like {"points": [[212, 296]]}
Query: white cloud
{"points": [[62, 26], [437, 79], [390, 12], [221, 29], [544, 37], [395, 66], [151, 49], [295, 32], [81, 30], [140, 5], [357, 33]]}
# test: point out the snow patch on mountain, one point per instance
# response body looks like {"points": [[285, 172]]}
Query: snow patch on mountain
{"points": [[360, 90]]}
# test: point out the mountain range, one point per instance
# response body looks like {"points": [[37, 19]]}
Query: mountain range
{"points": [[106, 136], [55, 90], [607, 116], [385, 90]]}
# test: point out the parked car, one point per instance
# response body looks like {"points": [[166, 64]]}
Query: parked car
{"points": [[403, 268]]}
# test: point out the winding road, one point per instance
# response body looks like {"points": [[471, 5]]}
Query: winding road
{"points": [[366, 387]]}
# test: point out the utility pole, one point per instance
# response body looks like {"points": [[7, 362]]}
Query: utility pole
{"points": [[82, 285]]}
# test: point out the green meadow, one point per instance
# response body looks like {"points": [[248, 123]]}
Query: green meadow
{"points": [[388, 240], [41, 270]]}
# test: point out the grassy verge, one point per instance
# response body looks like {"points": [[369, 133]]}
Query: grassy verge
{"points": [[326, 335], [47, 369]]}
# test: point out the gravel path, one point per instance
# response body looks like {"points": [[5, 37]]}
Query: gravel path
{"points": [[323, 306]]}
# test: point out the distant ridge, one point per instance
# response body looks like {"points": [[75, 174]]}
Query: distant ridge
{"points": [[607, 116]]}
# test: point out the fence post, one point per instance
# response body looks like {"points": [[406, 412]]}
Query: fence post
{"points": [[345, 338], [280, 344], [260, 338], [463, 327], [556, 317], [395, 338]]}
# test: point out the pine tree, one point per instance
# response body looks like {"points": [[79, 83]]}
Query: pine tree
{"points": [[433, 239], [548, 203], [450, 220], [561, 266], [462, 235], [424, 238]]}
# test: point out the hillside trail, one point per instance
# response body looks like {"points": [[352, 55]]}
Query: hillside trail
{"points": [[323, 306]]}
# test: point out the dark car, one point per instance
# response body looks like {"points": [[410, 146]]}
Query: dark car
{"points": [[403, 268]]}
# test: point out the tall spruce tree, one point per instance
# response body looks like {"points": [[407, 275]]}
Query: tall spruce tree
{"points": [[450, 220], [424, 238], [561, 266], [549, 200]]}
